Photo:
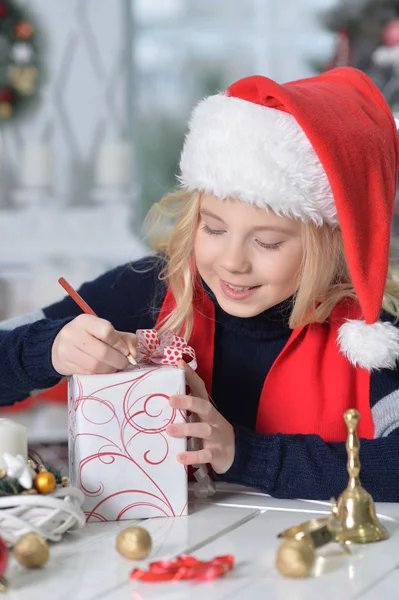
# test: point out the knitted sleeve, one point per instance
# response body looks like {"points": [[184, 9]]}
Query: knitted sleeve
{"points": [[129, 297], [304, 466]]}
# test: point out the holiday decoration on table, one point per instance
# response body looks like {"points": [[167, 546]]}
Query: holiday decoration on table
{"points": [[3, 565], [185, 567], [353, 518], [295, 558], [134, 543], [35, 498], [120, 455], [31, 551], [13, 440], [20, 60]]}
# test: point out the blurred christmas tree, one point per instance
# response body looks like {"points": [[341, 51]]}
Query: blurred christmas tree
{"points": [[367, 37], [161, 137]]}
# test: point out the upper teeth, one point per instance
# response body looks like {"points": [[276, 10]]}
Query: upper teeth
{"points": [[238, 289]]}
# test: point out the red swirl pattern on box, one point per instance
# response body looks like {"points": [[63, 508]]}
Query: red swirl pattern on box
{"points": [[120, 456]]}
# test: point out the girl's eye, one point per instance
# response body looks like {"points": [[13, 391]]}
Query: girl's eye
{"points": [[207, 229], [275, 246]]}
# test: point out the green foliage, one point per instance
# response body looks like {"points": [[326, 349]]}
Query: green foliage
{"points": [[11, 487], [160, 142]]}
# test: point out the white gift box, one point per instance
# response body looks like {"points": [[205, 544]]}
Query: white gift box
{"points": [[119, 453]]}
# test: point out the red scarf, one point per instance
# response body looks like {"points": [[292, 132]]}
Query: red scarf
{"points": [[310, 385]]}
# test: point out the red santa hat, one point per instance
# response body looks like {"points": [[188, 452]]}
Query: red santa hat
{"points": [[323, 149]]}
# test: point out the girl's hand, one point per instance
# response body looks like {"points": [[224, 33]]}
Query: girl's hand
{"points": [[216, 433], [89, 345]]}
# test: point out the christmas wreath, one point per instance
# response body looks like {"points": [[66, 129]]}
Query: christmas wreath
{"points": [[19, 60]]}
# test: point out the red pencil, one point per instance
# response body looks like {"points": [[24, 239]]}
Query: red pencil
{"points": [[85, 307]]}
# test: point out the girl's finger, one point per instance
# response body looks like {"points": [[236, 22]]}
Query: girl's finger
{"points": [[87, 365], [104, 331], [198, 430], [102, 352], [130, 340], [203, 408], [198, 457], [194, 381]]}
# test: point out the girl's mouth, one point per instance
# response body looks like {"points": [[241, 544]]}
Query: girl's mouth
{"points": [[236, 292]]}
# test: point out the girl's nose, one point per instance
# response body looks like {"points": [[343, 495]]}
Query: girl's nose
{"points": [[234, 258]]}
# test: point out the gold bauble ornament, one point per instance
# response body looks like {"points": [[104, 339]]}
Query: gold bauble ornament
{"points": [[134, 543], [65, 481], [295, 558], [5, 110], [45, 482], [24, 79], [31, 551]]}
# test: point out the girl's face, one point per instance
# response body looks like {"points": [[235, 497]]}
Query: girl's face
{"points": [[249, 258]]}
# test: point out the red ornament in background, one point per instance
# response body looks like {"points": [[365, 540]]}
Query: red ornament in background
{"points": [[24, 30], [343, 52], [6, 96], [390, 33], [3, 10], [3, 558]]}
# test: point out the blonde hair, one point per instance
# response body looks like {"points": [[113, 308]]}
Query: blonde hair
{"points": [[323, 278]]}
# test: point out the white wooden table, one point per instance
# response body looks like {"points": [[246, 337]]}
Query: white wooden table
{"points": [[85, 565]]}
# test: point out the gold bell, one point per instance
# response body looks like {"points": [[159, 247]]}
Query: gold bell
{"points": [[357, 521]]}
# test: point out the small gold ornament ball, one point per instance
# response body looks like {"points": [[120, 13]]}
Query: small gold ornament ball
{"points": [[31, 551], [295, 558], [5, 110], [134, 543], [45, 482]]}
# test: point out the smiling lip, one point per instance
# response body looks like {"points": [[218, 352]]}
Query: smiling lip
{"points": [[237, 292]]}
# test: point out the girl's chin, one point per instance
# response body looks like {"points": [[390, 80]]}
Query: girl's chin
{"points": [[239, 309]]}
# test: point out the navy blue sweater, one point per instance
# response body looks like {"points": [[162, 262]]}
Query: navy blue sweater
{"points": [[286, 466]]}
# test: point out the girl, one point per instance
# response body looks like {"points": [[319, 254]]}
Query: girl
{"points": [[276, 273]]}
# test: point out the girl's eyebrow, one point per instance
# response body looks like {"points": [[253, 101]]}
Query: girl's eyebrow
{"points": [[208, 213], [287, 230]]}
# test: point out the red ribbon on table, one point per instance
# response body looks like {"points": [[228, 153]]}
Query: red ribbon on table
{"points": [[165, 349], [185, 567]]}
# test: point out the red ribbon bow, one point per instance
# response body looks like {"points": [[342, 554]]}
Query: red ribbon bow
{"points": [[166, 349], [185, 567]]}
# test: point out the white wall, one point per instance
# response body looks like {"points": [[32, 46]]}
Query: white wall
{"points": [[76, 225]]}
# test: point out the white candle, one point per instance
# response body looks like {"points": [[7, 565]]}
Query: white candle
{"points": [[13, 439], [37, 166], [113, 165]]}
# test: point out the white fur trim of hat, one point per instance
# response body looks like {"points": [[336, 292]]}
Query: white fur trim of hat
{"points": [[258, 155]]}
